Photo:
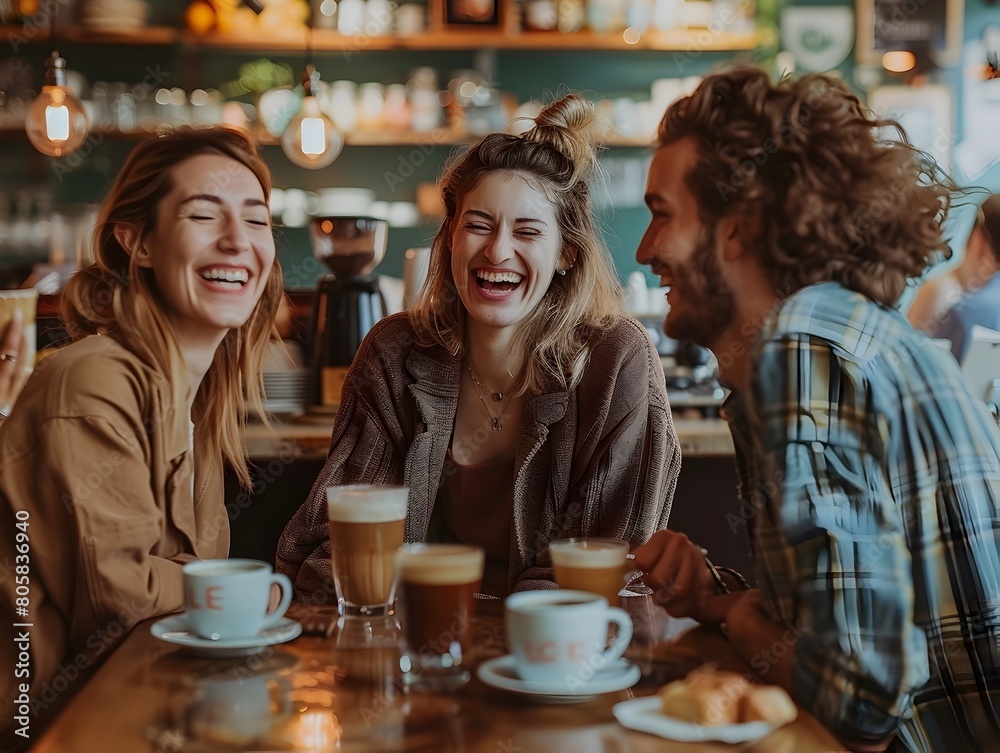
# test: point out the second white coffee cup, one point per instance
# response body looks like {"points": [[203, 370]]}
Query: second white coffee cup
{"points": [[561, 635], [229, 598]]}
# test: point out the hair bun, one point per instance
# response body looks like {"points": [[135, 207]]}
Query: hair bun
{"points": [[564, 125]]}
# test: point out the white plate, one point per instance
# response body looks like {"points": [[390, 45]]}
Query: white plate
{"points": [[176, 630], [500, 673], [644, 715]]}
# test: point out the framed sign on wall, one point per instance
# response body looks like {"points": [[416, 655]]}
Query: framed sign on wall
{"points": [[920, 26], [924, 112]]}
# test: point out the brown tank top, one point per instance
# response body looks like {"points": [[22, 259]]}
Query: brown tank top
{"points": [[476, 503]]}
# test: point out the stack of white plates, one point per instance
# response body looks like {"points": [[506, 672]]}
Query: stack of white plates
{"points": [[112, 15], [286, 391]]}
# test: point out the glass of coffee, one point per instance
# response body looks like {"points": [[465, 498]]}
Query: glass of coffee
{"points": [[590, 564], [367, 523], [438, 583]]}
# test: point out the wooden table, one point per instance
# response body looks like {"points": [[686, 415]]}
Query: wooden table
{"points": [[307, 695]]}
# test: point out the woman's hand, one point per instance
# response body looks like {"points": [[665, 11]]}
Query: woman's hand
{"points": [[13, 369], [677, 572]]}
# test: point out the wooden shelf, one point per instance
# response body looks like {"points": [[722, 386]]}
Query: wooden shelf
{"points": [[440, 137], [330, 41], [144, 35]]}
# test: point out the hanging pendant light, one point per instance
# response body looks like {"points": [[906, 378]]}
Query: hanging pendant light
{"points": [[56, 123], [311, 139]]}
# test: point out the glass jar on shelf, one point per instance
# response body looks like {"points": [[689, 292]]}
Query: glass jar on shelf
{"points": [[396, 108], [344, 105], [351, 17], [539, 15], [571, 16], [605, 16], [425, 107], [371, 100]]}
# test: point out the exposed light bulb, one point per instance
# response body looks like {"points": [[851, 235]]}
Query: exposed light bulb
{"points": [[311, 139], [56, 123], [899, 61]]}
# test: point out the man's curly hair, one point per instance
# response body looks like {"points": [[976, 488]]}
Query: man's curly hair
{"points": [[836, 197]]}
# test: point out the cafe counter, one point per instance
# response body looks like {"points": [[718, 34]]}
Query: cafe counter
{"points": [[708, 437]]}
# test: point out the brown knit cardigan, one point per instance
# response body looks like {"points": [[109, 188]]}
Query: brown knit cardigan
{"points": [[598, 460]]}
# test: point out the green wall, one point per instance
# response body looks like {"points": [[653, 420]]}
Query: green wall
{"points": [[528, 74]]}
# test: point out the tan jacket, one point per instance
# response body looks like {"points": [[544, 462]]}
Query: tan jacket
{"points": [[96, 459]]}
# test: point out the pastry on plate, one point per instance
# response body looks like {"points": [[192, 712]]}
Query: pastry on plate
{"points": [[714, 698]]}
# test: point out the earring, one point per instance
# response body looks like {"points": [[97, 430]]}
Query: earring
{"points": [[561, 272]]}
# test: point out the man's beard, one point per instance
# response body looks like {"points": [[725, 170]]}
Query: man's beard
{"points": [[707, 301]]}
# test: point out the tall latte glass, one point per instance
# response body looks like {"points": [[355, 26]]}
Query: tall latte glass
{"points": [[367, 523], [590, 564], [438, 585]]}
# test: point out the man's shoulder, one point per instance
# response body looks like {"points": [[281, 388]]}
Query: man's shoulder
{"points": [[846, 320]]}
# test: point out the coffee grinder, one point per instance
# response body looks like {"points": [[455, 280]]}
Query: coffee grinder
{"points": [[348, 301]]}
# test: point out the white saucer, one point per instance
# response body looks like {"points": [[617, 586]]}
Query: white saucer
{"points": [[500, 673], [176, 630], [644, 715]]}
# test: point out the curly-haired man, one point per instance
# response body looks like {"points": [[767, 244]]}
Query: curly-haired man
{"points": [[786, 224]]}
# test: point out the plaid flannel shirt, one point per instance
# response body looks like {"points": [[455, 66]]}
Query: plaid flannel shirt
{"points": [[869, 482]]}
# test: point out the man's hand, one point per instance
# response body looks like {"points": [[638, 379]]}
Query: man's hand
{"points": [[676, 570]]}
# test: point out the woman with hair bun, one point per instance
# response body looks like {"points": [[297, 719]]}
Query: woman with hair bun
{"points": [[516, 399]]}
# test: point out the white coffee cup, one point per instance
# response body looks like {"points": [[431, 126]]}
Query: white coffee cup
{"points": [[229, 598], [561, 635]]}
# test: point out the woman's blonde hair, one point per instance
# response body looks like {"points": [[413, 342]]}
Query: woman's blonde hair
{"points": [[557, 158], [116, 295]]}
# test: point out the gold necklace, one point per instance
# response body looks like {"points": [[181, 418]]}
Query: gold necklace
{"points": [[498, 396]]}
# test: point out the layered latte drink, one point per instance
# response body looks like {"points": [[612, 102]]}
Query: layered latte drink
{"points": [[367, 524], [438, 584], [590, 564]]}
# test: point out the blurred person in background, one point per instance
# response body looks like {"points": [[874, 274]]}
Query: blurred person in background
{"points": [[786, 226], [516, 399], [980, 301], [111, 463]]}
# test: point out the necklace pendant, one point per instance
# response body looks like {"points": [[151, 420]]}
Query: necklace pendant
{"points": [[497, 426], [498, 396]]}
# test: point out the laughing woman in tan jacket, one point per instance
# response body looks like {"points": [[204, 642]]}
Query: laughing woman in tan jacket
{"points": [[516, 400], [111, 460]]}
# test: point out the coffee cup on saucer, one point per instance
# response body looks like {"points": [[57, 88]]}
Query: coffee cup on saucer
{"points": [[561, 636], [226, 599]]}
